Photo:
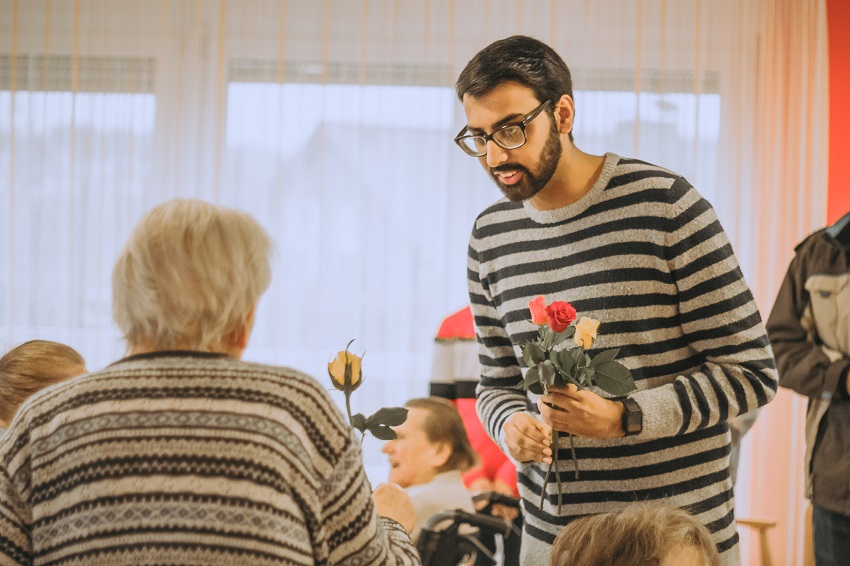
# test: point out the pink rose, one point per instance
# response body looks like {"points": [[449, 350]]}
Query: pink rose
{"points": [[538, 310], [559, 315]]}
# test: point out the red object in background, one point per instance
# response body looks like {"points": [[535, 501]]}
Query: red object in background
{"points": [[838, 195], [458, 326], [454, 375]]}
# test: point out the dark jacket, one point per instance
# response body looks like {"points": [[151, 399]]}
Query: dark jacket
{"points": [[809, 329]]}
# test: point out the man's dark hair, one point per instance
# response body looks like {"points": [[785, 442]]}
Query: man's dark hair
{"points": [[520, 59]]}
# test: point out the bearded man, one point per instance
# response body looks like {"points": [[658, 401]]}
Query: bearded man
{"points": [[632, 245]]}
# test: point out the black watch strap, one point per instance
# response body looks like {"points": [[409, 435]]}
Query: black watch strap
{"points": [[632, 417]]}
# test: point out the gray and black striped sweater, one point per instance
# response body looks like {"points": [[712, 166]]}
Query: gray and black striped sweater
{"points": [[645, 254], [187, 458]]}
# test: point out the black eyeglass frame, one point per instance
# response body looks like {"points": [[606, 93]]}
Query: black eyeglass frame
{"points": [[522, 124]]}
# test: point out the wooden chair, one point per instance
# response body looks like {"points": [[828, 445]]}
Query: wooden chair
{"points": [[761, 526]]}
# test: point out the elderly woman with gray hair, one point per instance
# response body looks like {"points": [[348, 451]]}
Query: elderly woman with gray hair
{"points": [[181, 453]]}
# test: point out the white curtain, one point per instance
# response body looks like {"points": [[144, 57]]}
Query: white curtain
{"points": [[331, 122]]}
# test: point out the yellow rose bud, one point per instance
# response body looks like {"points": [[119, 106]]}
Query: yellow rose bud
{"points": [[345, 371], [586, 329]]}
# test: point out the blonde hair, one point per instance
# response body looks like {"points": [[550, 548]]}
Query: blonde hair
{"points": [[639, 535], [189, 276], [31, 367], [443, 423]]}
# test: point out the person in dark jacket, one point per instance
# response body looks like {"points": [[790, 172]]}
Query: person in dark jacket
{"points": [[809, 328]]}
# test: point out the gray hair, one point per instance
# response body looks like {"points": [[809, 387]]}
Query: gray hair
{"points": [[189, 275]]}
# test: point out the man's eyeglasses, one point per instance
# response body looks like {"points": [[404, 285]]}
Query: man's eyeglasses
{"points": [[509, 136]]}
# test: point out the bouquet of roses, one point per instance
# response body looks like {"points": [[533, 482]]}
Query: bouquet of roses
{"points": [[554, 360], [346, 376]]}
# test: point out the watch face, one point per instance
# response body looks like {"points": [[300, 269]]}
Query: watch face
{"points": [[633, 422], [632, 418]]}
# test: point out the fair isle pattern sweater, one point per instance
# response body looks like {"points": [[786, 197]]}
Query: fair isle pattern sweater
{"points": [[186, 458], [643, 253]]}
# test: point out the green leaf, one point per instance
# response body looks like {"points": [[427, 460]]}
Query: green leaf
{"points": [[532, 354], [532, 376], [578, 355], [536, 388], [568, 333], [614, 378], [358, 421], [604, 357], [560, 380], [547, 374], [564, 362], [388, 416], [547, 338], [382, 432]]}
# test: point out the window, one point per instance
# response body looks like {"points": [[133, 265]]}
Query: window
{"points": [[354, 173], [74, 165]]}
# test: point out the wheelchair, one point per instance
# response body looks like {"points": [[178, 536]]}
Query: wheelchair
{"points": [[459, 538], [495, 503]]}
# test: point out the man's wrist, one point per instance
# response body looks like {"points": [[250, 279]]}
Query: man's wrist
{"points": [[632, 417], [617, 426]]}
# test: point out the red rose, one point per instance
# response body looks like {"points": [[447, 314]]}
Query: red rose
{"points": [[559, 315], [538, 310]]}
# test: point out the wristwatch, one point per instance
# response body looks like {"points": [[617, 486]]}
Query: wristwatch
{"points": [[632, 419]]}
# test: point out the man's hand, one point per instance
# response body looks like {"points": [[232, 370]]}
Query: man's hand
{"points": [[528, 439], [392, 502], [583, 413]]}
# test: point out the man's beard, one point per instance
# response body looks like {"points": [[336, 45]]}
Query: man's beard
{"points": [[531, 184]]}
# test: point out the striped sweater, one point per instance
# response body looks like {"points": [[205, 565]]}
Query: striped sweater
{"points": [[188, 458], [645, 254]]}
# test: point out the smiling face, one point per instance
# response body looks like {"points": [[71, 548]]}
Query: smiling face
{"points": [[414, 459], [523, 172]]}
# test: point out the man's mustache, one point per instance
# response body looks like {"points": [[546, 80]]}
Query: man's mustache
{"points": [[508, 167]]}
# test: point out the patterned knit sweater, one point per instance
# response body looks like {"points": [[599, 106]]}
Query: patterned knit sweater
{"points": [[188, 458], [645, 254]]}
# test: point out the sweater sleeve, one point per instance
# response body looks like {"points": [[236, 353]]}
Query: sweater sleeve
{"points": [[356, 534], [720, 322], [499, 393], [804, 366], [15, 514]]}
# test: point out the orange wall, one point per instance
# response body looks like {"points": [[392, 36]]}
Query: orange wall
{"points": [[838, 24]]}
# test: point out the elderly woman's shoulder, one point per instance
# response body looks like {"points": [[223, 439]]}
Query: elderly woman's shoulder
{"points": [[199, 375]]}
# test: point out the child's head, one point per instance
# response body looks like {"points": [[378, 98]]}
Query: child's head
{"points": [[30, 367], [643, 534]]}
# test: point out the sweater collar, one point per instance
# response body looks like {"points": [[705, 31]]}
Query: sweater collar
{"points": [[170, 354], [582, 204]]}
